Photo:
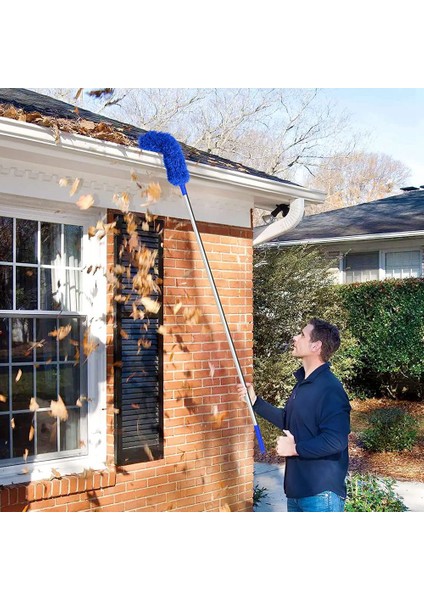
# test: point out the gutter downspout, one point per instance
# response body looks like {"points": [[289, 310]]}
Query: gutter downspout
{"points": [[290, 221]]}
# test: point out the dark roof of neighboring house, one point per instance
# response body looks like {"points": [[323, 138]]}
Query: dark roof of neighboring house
{"points": [[68, 118], [401, 213]]}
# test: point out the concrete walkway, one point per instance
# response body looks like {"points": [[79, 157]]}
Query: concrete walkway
{"points": [[271, 477]]}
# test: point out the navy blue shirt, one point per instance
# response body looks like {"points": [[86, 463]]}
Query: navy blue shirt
{"points": [[318, 415]]}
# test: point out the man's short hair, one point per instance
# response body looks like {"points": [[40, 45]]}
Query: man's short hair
{"points": [[327, 334]]}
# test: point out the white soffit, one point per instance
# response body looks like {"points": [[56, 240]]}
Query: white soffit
{"points": [[105, 168]]}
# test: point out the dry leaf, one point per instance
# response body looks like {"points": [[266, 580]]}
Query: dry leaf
{"points": [[192, 315], [177, 307], [33, 405], [12, 423], [3, 398], [58, 409], [151, 306], [148, 452], [84, 202], [153, 192], [219, 417], [211, 369], [75, 186], [224, 508], [25, 455], [31, 433], [18, 375], [62, 332], [56, 474], [64, 181]]}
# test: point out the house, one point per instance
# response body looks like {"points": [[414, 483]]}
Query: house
{"points": [[375, 240], [117, 386]]}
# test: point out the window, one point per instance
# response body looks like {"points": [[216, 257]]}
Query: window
{"points": [[361, 267], [404, 264], [43, 383]]}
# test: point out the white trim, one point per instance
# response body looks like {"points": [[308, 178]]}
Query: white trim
{"points": [[94, 252], [349, 238]]}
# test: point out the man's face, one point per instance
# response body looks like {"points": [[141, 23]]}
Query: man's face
{"points": [[302, 344]]}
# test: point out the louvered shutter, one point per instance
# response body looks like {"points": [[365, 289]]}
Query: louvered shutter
{"points": [[138, 369]]}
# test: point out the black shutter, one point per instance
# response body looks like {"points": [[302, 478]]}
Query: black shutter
{"points": [[138, 380]]}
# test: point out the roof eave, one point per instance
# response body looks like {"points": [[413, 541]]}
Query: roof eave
{"points": [[347, 238]]}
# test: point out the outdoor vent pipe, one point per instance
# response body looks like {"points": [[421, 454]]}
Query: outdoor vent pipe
{"points": [[264, 233]]}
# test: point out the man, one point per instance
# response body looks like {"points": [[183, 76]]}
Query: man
{"points": [[316, 424]]}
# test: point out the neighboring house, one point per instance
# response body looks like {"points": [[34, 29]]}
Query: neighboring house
{"points": [[375, 240], [117, 386]]}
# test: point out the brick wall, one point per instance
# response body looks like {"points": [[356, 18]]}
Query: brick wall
{"points": [[208, 452]]}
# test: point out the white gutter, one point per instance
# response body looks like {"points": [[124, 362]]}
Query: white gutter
{"points": [[269, 192], [348, 238], [290, 221]]}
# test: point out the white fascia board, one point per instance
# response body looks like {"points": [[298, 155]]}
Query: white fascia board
{"points": [[114, 161], [348, 238]]}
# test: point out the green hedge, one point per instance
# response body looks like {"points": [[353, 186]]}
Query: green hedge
{"points": [[387, 320]]}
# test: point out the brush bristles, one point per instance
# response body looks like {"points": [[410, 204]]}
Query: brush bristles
{"points": [[173, 157]]}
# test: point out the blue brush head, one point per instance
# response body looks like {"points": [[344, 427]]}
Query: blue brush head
{"points": [[173, 157]]}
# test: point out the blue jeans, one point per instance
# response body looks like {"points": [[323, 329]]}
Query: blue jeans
{"points": [[323, 502]]}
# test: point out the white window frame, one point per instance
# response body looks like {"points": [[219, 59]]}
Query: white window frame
{"points": [[410, 249], [94, 252]]}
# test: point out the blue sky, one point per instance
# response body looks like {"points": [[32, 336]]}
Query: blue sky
{"points": [[395, 119]]}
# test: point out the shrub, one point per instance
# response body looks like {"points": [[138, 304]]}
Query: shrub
{"points": [[258, 494], [369, 493], [387, 318], [392, 429]]}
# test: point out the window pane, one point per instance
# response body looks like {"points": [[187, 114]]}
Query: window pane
{"points": [[23, 388], [71, 290], [70, 431], [69, 384], [4, 340], [6, 288], [26, 288], [362, 267], [6, 239], [26, 241], [22, 434], [4, 436], [50, 243], [50, 290], [22, 336], [73, 237], [4, 389], [46, 433], [46, 385], [47, 351]]}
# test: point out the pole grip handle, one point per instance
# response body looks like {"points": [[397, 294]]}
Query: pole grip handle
{"points": [[260, 440]]}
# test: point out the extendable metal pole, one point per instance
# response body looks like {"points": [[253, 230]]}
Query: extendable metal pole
{"points": [[223, 318]]}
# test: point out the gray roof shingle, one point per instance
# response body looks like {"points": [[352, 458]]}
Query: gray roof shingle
{"points": [[30, 101], [401, 213]]}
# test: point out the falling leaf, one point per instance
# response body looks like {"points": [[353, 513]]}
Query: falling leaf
{"points": [[88, 344], [135, 406], [3, 398], [12, 423], [211, 369], [224, 508], [162, 329], [56, 474], [192, 315], [18, 375], [151, 306], [218, 417], [91, 231], [25, 455], [31, 433], [78, 94], [148, 452], [33, 405], [177, 307], [85, 202], [122, 201], [153, 192], [75, 186], [58, 409], [64, 181], [62, 332], [102, 92], [123, 334], [143, 342]]}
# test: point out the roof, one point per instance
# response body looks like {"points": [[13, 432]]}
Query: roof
{"points": [[66, 117], [394, 215]]}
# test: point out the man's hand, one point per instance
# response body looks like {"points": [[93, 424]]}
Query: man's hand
{"points": [[241, 390], [286, 445]]}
